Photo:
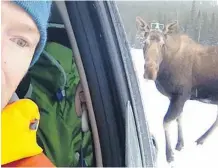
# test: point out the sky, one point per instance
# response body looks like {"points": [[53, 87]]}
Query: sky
{"points": [[197, 118]]}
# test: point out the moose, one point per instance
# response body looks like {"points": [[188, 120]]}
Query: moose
{"points": [[182, 70]]}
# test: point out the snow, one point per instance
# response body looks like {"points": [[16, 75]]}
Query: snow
{"points": [[197, 118]]}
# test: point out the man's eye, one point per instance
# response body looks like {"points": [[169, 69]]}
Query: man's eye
{"points": [[20, 42]]}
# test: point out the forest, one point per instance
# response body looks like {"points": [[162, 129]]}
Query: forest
{"points": [[198, 19]]}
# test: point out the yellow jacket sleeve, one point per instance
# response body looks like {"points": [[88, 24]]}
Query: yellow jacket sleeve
{"points": [[19, 125]]}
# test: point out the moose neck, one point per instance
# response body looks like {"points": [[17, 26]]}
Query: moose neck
{"points": [[175, 56]]}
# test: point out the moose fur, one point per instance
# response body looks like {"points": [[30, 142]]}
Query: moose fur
{"points": [[182, 70]]}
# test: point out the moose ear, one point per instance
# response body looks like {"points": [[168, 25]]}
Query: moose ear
{"points": [[171, 28], [141, 25]]}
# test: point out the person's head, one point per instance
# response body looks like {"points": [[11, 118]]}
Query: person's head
{"points": [[23, 37]]}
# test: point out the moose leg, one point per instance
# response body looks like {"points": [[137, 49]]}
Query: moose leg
{"points": [[208, 132], [180, 141], [174, 111]]}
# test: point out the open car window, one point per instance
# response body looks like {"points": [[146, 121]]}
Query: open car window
{"points": [[174, 48]]}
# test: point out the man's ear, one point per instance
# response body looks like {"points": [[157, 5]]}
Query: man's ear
{"points": [[171, 28], [141, 25]]}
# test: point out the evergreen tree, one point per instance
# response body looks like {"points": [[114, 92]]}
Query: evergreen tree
{"points": [[199, 26], [193, 12], [159, 16], [205, 27], [165, 18], [212, 30], [213, 21], [191, 22]]}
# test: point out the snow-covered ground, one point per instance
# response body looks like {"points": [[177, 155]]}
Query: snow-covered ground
{"points": [[197, 118]]}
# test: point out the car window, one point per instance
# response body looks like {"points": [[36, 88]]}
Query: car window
{"points": [[174, 47]]}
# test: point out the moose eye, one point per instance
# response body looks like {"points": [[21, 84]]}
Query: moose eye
{"points": [[147, 42]]}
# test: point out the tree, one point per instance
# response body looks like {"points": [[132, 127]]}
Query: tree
{"points": [[205, 27], [212, 30], [216, 28], [191, 22], [193, 11], [159, 16], [213, 21], [199, 25], [165, 19], [199, 15]]}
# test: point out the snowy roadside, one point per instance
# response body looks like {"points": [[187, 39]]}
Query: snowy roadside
{"points": [[197, 118]]}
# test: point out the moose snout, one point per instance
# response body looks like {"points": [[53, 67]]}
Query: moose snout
{"points": [[150, 71]]}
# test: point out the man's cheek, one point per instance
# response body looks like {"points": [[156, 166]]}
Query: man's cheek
{"points": [[6, 89], [12, 73]]}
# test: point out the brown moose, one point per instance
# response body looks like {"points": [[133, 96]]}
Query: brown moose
{"points": [[182, 70]]}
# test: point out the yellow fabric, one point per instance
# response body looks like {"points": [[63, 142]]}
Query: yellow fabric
{"points": [[18, 141]]}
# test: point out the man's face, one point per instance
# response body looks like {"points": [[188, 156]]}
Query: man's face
{"points": [[19, 38]]}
